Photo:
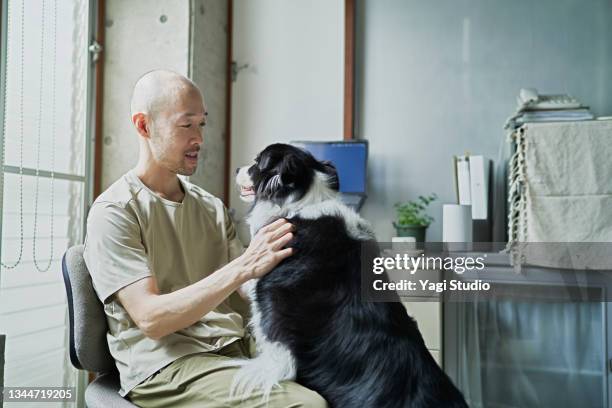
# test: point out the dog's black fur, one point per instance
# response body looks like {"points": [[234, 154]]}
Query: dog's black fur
{"points": [[354, 353]]}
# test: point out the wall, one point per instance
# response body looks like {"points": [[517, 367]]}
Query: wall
{"points": [[137, 41], [439, 78], [209, 39], [292, 88]]}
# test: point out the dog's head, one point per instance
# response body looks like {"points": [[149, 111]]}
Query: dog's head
{"points": [[284, 174]]}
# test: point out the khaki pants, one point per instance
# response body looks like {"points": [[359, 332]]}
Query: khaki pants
{"points": [[199, 380]]}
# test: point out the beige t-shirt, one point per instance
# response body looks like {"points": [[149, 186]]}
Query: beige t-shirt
{"points": [[133, 233]]}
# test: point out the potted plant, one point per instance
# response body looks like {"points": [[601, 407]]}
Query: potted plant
{"points": [[412, 221]]}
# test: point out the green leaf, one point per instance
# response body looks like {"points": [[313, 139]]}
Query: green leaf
{"points": [[413, 212]]}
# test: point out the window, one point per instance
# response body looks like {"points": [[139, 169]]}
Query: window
{"points": [[45, 180]]}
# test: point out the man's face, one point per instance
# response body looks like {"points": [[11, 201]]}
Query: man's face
{"points": [[176, 133]]}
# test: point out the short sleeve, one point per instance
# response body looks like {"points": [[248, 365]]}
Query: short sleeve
{"points": [[235, 246], [114, 252]]}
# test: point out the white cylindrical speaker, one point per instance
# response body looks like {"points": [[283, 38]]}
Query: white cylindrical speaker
{"points": [[456, 223]]}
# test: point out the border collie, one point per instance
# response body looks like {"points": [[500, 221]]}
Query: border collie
{"points": [[308, 318]]}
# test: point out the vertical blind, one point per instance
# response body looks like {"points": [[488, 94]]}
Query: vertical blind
{"points": [[43, 181]]}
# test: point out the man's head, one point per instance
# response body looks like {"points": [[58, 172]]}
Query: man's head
{"points": [[169, 114]]}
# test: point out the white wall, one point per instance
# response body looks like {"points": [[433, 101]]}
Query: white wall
{"points": [[293, 87], [439, 78], [136, 42]]}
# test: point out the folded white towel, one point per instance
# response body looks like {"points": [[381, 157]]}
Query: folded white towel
{"points": [[561, 185]]}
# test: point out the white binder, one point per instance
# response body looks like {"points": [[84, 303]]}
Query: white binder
{"points": [[462, 167], [479, 186]]}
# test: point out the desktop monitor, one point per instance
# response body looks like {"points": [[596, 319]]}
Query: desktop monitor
{"points": [[350, 160]]}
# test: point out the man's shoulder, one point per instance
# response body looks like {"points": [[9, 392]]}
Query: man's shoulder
{"points": [[209, 201], [116, 199], [120, 193], [198, 191]]}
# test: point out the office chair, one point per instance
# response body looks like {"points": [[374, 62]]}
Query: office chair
{"points": [[88, 328]]}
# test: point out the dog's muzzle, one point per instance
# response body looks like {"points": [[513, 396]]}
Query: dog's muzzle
{"points": [[244, 182]]}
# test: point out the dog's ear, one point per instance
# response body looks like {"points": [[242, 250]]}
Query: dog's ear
{"points": [[272, 185], [332, 174], [285, 175], [289, 170]]}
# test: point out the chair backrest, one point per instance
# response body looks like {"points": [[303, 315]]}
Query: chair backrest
{"points": [[88, 326]]}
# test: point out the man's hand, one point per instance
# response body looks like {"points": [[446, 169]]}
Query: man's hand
{"points": [[267, 249]]}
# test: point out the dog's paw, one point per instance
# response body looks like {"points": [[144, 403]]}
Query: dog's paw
{"points": [[253, 376]]}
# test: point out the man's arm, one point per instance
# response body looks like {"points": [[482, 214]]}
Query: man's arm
{"points": [[158, 315]]}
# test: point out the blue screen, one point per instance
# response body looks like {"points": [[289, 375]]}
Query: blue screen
{"points": [[349, 159]]}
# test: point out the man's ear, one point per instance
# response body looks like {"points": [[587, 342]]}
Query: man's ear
{"points": [[141, 123]]}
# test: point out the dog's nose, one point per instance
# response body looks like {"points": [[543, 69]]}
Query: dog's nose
{"points": [[237, 170]]}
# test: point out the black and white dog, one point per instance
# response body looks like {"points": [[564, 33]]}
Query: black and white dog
{"points": [[309, 320]]}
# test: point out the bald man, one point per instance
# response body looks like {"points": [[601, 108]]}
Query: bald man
{"points": [[164, 260]]}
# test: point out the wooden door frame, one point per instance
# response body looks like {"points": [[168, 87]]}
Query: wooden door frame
{"points": [[349, 70], [228, 104], [98, 104]]}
